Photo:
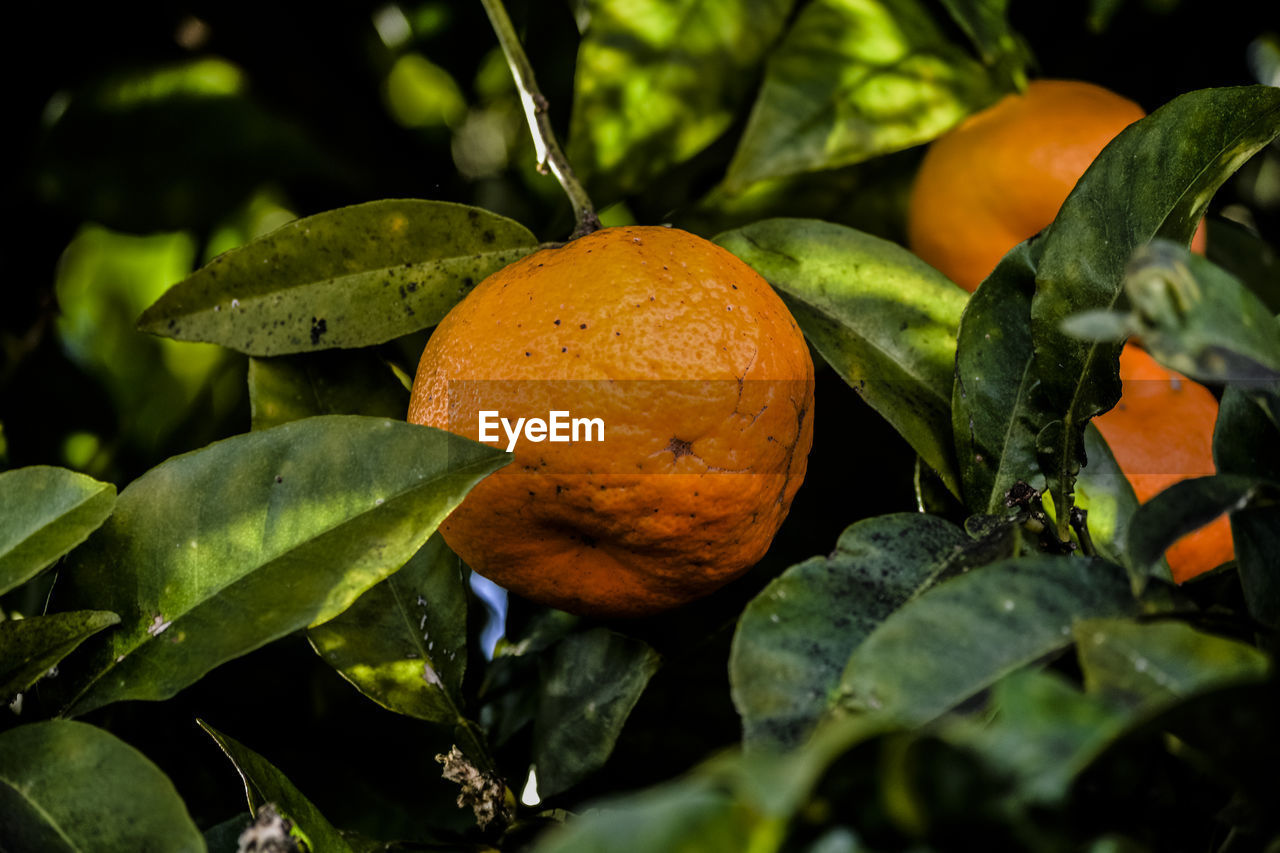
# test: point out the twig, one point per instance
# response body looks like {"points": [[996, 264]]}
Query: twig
{"points": [[1080, 524], [535, 104]]}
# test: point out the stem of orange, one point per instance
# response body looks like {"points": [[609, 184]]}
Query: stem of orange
{"points": [[535, 105]]}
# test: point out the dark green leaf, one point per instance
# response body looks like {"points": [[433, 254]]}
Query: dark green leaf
{"points": [[30, 647], [1243, 253], [962, 636], [986, 23], [357, 382], [350, 277], [995, 439], [225, 837], [1170, 163], [1182, 508], [216, 552], [404, 642], [44, 513], [1246, 442], [1043, 732], [884, 319], [263, 783], [1157, 664], [594, 680], [1193, 317], [67, 787], [1153, 180], [657, 84], [794, 639], [852, 81]]}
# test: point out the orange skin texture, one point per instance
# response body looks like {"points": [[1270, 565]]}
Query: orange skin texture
{"points": [[696, 472], [1161, 432], [1001, 175]]}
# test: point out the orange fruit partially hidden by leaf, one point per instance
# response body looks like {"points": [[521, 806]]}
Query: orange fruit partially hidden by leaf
{"points": [[1161, 432], [1001, 175], [703, 385]]}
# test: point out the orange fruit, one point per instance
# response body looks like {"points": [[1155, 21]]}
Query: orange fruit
{"points": [[1161, 432], [1001, 175], [703, 385]]}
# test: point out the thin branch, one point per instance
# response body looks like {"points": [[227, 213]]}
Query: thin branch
{"points": [[535, 105]]}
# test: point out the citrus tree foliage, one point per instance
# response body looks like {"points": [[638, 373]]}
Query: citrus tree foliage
{"points": [[218, 546]]}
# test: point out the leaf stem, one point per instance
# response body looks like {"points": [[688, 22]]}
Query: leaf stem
{"points": [[1080, 524], [546, 148]]}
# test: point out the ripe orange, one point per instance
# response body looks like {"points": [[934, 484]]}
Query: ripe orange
{"points": [[703, 383], [1161, 432], [1001, 175]]}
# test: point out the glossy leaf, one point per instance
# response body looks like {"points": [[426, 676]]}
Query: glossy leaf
{"points": [[658, 81], [287, 388], [404, 642], [851, 81], [44, 513], [794, 639], [30, 647], [962, 636], [263, 783], [1156, 664], [1103, 491], [593, 681], [1019, 412], [67, 787], [1184, 507], [350, 277], [216, 552], [884, 319], [1246, 442], [1174, 160]]}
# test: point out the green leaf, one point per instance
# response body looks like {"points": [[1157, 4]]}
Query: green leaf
{"points": [[1157, 664], [1044, 732], [986, 23], [995, 438], [68, 786], [350, 277], [44, 513], [1246, 442], [594, 680], [225, 837], [884, 319], [30, 647], [658, 81], [1172, 162], [1184, 507], [851, 81], [1022, 399], [404, 642], [357, 382], [1104, 492], [216, 552], [794, 639], [1194, 317], [962, 636], [263, 783]]}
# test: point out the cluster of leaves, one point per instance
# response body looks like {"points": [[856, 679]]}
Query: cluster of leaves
{"points": [[940, 676]]}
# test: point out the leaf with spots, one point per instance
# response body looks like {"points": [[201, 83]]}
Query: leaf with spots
{"points": [[350, 277], [214, 553], [883, 318], [794, 639], [962, 636]]}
